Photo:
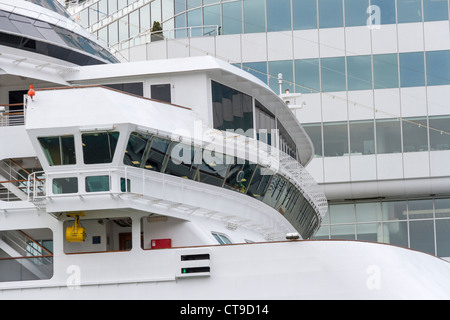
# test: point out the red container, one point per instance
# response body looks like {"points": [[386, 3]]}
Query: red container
{"points": [[161, 243]]}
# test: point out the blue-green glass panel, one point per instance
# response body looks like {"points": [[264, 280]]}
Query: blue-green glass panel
{"points": [[440, 139], [415, 134], [385, 71], [180, 6], [333, 74], [194, 21], [331, 14], [97, 184], [443, 237], [254, 16], [356, 12], [359, 72], [421, 235], [180, 26], [438, 67], [211, 17], [409, 11], [284, 67], [191, 4], [278, 15], [434, 10], [335, 139], [304, 14], [232, 17], [383, 11], [412, 70], [258, 69], [307, 76]]}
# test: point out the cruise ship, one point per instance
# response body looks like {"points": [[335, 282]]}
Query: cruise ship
{"points": [[175, 179]]}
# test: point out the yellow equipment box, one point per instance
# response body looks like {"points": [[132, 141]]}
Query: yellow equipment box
{"points": [[76, 233]]}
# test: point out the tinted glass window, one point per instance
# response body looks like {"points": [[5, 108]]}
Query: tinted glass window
{"points": [[415, 136], [232, 109], [158, 153], [359, 72], [335, 139], [24, 26], [384, 12], [232, 17], [331, 14], [333, 74], [65, 185], [97, 184], [439, 133], [356, 12], [258, 69], [59, 150], [307, 76], [260, 183], [133, 88], [239, 176], [275, 190], [412, 70], [254, 16], [213, 168], [184, 161], [435, 10], [161, 92], [278, 15], [362, 137], [389, 136], [385, 68], [304, 14], [421, 234], [193, 4], [211, 17], [99, 147], [286, 68], [194, 19], [438, 67], [136, 148], [409, 11], [314, 131]]}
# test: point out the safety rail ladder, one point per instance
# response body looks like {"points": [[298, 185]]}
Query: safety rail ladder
{"points": [[28, 259]]}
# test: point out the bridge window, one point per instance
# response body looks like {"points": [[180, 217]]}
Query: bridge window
{"points": [[99, 147], [183, 161], [239, 176], [233, 110], [213, 169], [97, 183], [58, 150], [158, 153], [136, 148], [65, 185]]}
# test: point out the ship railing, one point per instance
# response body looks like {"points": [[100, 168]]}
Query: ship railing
{"points": [[120, 179], [29, 260], [13, 181], [36, 186], [12, 115]]}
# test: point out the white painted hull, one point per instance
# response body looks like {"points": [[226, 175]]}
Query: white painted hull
{"points": [[280, 270]]}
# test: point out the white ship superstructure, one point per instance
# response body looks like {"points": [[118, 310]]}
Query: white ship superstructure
{"points": [[170, 179]]}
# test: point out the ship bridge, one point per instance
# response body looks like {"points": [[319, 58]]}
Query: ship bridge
{"points": [[104, 150]]}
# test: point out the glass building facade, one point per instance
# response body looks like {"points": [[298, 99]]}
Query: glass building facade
{"points": [[374, 79], [41, 33]]}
